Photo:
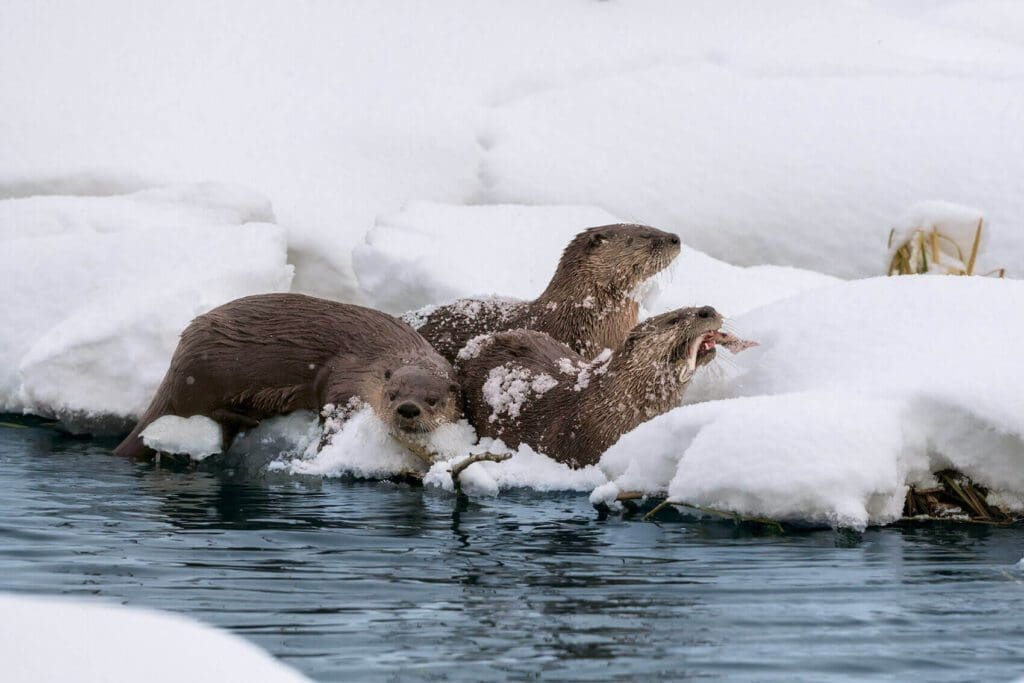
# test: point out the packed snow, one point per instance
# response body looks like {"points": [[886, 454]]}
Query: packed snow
{"points": [[63, 639], [855, 392], [197, 436], [97, 291], [363, 448], [761, 165], [431, 253]]}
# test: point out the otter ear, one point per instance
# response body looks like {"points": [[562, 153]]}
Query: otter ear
{"points": [[596, 238]]}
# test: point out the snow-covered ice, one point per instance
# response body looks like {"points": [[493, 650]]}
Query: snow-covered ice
{"points": [[63, 639], [855, 392], [97, 291], [363, 448], [197, 436]]}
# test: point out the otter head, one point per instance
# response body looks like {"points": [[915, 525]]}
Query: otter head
{"points": [[684, 339], [622, 255], [419, 400]]}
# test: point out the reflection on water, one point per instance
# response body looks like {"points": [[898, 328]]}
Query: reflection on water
{"points": [[349, 580]]}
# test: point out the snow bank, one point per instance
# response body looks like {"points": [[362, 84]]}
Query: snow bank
{"points": [[696, 279], [855, 392], [770, 165], [163, 208], [59, 639], [781, 118], [431, 253], [98, 289], [94, 183]]}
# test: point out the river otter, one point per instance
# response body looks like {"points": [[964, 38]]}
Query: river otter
{"points": [[589, 303], [271, 354], [524, 387]]}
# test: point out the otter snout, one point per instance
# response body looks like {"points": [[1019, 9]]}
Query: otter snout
{"points": [[409, 416], [665, 241], [408, 410]]}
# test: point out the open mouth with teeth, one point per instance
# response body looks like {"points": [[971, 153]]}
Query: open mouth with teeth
{"points": [[706, 344]]}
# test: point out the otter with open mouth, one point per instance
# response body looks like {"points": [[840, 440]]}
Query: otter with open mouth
{"points": [[589, 304], [272, 354], [525, 387]]}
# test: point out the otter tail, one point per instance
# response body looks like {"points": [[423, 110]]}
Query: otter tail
{"points": [[132, 446]]}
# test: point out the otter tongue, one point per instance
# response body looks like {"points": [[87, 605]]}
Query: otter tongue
{"points": [[733, 343]]}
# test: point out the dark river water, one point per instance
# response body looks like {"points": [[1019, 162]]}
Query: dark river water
{"points": [[350, 580]]}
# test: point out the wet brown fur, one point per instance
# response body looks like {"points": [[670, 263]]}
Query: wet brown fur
{"points": [[587, 305], [644, 378], [272, 354]]}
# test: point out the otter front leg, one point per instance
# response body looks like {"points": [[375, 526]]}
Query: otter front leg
{"points": [[231, 422]]}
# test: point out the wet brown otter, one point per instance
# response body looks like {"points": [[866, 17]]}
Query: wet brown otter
{"points": [[588, 304], [271, 354], [525, 387]]}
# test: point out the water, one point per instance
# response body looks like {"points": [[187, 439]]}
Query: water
{"points": [[353, 580]]}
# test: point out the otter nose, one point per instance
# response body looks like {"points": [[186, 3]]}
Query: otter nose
{"points": [[408, 410], [706, 312]]}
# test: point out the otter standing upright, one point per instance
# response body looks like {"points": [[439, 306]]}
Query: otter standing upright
{"points": [[589, 303], [272, 354], [524, 387]]}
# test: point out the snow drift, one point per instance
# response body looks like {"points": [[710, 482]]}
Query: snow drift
{"points": [[98, 290], [856, 391], [432, 253], [774, 167], [60, 639]]}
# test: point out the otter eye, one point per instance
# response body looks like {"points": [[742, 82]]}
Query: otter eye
{"points": [[453, 387], [431, 401], [629, 240], [387, 374], [392, 395]]}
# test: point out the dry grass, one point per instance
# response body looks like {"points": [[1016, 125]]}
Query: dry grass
{"points": [[923, 251], [956, 498]]}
